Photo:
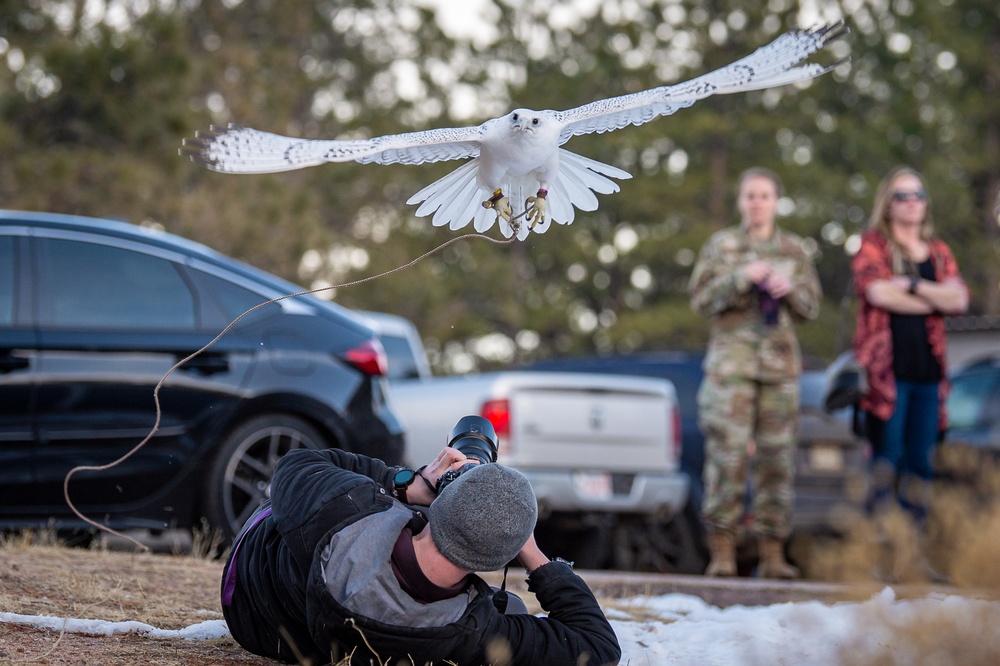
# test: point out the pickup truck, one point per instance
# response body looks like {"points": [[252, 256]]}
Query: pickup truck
{"points": [[830, 459], [601, 451]]}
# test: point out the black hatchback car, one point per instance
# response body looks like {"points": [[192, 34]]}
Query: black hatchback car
{"points": [[93, 313]]}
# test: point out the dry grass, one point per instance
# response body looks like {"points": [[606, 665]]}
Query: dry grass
{"points": [[170, 592], [38, 576], [962, 540], [948, 634]]}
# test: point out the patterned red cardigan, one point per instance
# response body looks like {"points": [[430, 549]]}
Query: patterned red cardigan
{"points": [[872, 335]]}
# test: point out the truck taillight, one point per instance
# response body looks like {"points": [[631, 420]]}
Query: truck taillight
{"points": [[676, 423], [368, 357], [497, 412]]}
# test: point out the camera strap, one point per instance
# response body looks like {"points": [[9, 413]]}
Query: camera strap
{"points": [[501, 598]]}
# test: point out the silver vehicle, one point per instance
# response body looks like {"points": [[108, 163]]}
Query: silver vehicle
{"points": [[601, 451]]}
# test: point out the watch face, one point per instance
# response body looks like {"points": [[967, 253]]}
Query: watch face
{"points": [[404, 477]]}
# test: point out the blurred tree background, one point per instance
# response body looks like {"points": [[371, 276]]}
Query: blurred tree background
{"points": [[96, 95]]}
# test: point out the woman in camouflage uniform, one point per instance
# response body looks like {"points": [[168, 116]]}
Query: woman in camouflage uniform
{"points": [[753, 282]]}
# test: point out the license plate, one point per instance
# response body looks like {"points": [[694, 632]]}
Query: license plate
{"points": [[826, 458], [592, 485]]}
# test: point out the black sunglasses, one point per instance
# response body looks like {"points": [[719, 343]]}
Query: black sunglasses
{"points": [[919, 195]]}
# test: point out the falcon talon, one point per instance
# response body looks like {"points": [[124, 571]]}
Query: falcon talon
{"points": [[500, 204], [535, 207], [494, 200]]}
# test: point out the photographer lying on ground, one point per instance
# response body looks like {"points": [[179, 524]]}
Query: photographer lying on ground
{"points": [[334, 566]]}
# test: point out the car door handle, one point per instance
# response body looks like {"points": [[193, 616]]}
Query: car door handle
{"points": [[205, 364], [9, 362]]}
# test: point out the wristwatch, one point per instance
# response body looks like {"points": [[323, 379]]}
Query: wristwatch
{"points": [[914, 280], [401, 480]]}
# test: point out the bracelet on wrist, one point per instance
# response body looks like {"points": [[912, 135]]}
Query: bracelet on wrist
{"points": [[430, 486], [913, 284]]}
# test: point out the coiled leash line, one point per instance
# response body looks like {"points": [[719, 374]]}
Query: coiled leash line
{"points": [[159, 384]]}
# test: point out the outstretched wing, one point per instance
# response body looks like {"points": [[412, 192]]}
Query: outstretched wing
{"points": [[767, 67], [236, 149]]}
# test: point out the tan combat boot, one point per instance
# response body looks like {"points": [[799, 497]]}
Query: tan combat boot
{"points": [[772, 560], [723, 555]]}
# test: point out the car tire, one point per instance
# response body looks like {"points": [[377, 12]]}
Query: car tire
{"points": [[240, 475]]}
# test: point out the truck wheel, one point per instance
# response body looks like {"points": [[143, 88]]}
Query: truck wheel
{"points": [[669, 547], [240, 475], [586, 544]]}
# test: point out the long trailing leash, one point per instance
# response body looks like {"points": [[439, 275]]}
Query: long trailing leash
{"points": [[159, 385]]}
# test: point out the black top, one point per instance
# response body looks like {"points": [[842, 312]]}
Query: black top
{"points": [[411, 577], [912, 358]]}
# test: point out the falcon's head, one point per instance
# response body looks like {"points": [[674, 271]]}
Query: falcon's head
{"points": [[526, 120]]}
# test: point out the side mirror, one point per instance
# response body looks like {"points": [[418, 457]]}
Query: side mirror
{"points": [[846, 383]]}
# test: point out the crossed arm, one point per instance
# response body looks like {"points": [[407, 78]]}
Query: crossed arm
{"points": [[949, 296]]}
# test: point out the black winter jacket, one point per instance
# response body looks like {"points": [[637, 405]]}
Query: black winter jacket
{"points": [[282, 608]]}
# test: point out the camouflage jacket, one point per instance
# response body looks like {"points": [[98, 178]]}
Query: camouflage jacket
{"points": [[742, 344]]}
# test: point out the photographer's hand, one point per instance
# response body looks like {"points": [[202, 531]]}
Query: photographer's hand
{"points": [[531, 557], [421, 491]]}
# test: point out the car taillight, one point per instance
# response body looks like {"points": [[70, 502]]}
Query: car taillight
{"points": [[678, 441], [368, 357], [497, 412]]}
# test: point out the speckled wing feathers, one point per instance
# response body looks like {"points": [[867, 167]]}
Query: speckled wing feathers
{"points": [[767, 67], [236, 149]]}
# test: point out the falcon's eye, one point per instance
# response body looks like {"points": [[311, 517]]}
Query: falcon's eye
{"points": [[514, 117], [534, 121]]}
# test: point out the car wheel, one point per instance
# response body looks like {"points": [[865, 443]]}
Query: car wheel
{"points": [[240, 476]]}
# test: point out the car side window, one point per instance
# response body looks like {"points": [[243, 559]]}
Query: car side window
{"points": [[231, 298], [6, 280], [90, 285]]}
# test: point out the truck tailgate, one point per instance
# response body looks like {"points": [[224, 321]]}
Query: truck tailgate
{"points": [[590, 429]]}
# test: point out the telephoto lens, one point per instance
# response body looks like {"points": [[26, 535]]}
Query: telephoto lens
{"points": [[475, 437]]}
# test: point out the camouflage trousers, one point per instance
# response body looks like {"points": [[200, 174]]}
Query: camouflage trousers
{"points": [[737, 416]]}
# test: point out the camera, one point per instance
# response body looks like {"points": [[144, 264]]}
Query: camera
{"points": [[475, 437]]}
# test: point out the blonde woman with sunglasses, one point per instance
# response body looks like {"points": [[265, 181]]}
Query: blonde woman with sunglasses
{"points": [[907, 281]]}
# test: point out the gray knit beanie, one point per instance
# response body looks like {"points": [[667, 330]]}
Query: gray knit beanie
{"points": [[481, 520]]}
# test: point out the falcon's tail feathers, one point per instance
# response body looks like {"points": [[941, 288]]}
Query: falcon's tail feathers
{"points": [[456, 198], [579, 194], [593, 165], [580, 177], [560, 205], [453, 199]]}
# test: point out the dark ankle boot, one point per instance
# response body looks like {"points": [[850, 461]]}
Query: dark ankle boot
{"points": [[881, 487]]}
